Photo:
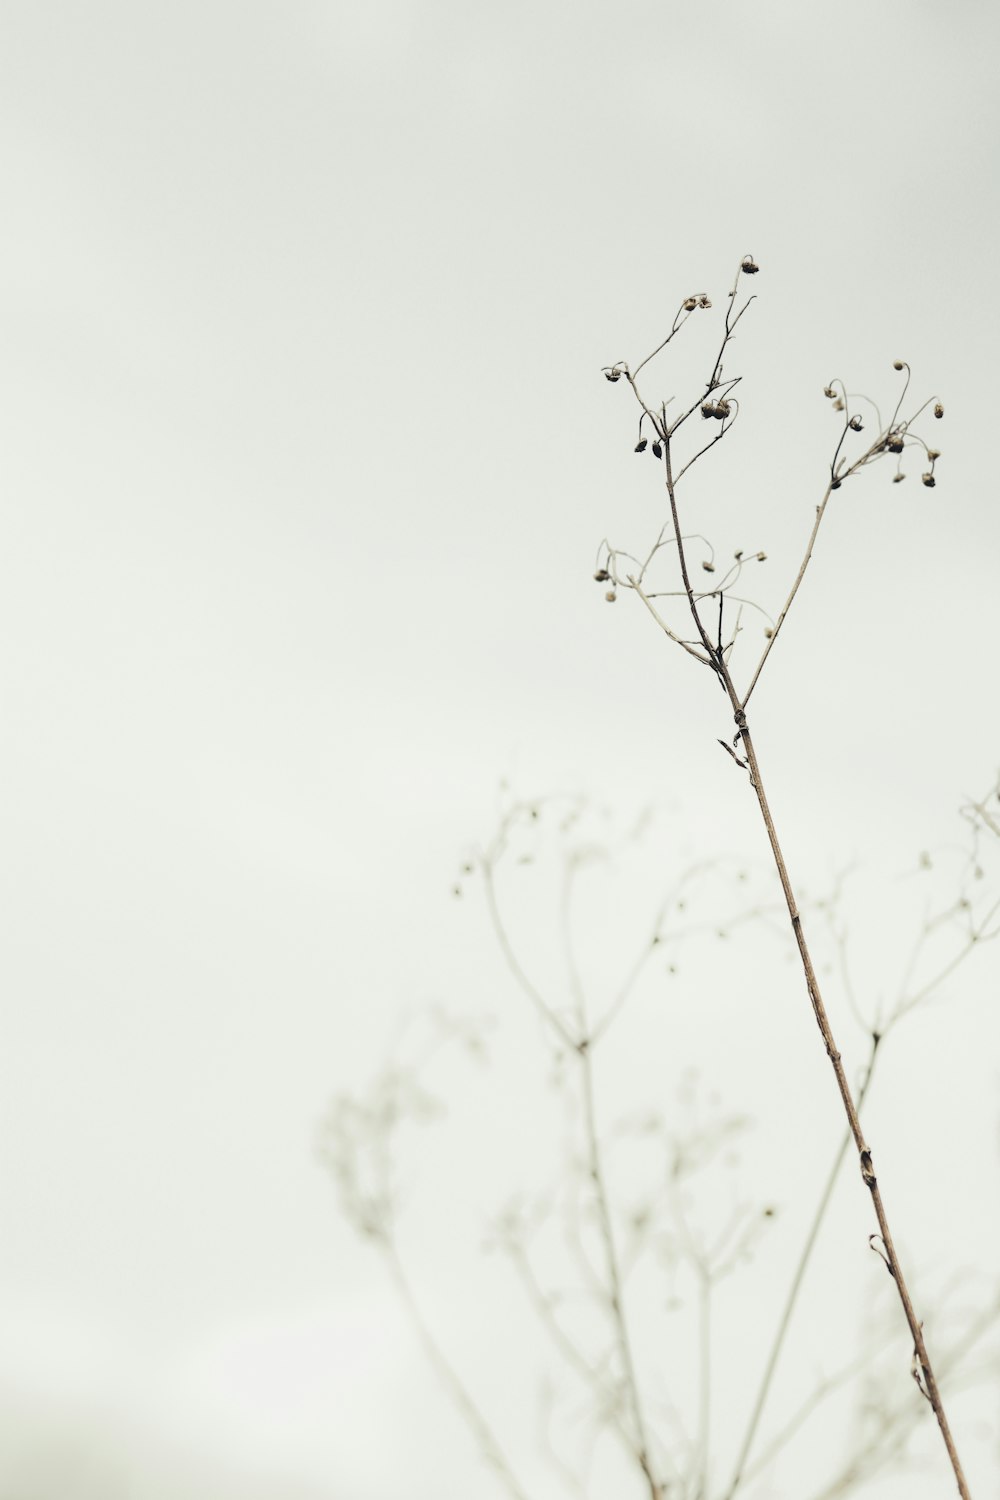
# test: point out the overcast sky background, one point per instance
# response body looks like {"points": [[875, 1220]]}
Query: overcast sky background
{"points": [[306, 460]]}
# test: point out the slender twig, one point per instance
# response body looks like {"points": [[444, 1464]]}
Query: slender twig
{"points": [[717, 660], [488, 1443]]}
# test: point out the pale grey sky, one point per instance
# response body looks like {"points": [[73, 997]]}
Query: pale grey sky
{"points": [[306, 460]]}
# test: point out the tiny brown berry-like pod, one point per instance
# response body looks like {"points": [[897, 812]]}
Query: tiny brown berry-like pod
{"points": [[897, 364], [722, 410], [707, 409], [640, 446], [656, 451], [611, 596], [938, 409], [690, 303], [929, 480], [749, 266], [602, 575]]}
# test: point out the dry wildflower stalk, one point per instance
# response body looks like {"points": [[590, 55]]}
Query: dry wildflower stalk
{"points": [[718, 405]]}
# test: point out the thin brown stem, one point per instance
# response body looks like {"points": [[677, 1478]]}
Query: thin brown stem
{"points": [[930, 1385]]}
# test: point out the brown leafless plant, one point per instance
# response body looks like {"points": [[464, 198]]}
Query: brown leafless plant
{"points": [[677, 450]]}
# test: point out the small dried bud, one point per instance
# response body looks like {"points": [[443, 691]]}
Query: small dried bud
{"points": [[838, 405], [640, 446], [703, 301], [708, 409], [929, 480], [722, 411], [656, 451], [938, 410], [768, 632], [894, 442], [749, 266], [602, 575], [898, 478], [611, 596], [829, 392], [855, 424], [762, 557], [933, 453], [897, 364], [690, 303], [612, 375], [709, 567]]}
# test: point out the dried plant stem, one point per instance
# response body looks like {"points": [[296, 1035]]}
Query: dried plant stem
{"points": [[614, 1284], [928, 1383], [805, 1257], [489, 1445]]}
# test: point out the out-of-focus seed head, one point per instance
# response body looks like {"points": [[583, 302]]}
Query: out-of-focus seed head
{"points": [[898, 478], [762, 557], [709, 567], [602, 575], [768, 632], [933, 453], [611, 596], [838, 405], [897, 364]]}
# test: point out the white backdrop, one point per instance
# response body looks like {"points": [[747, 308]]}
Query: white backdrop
{"points": [[306, 460]]}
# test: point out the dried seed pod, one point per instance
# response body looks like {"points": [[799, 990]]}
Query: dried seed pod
{"points": [[897, 364], [938, 409], [611, 596], [708, 409], [690, 303], [829, 392], [656, 451], [855, 424], [704, 301], [897, 478], [709, 567], [602, 575], [640, 446], [928, 479], [749, 266], [933, 454], [894, 442]]}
